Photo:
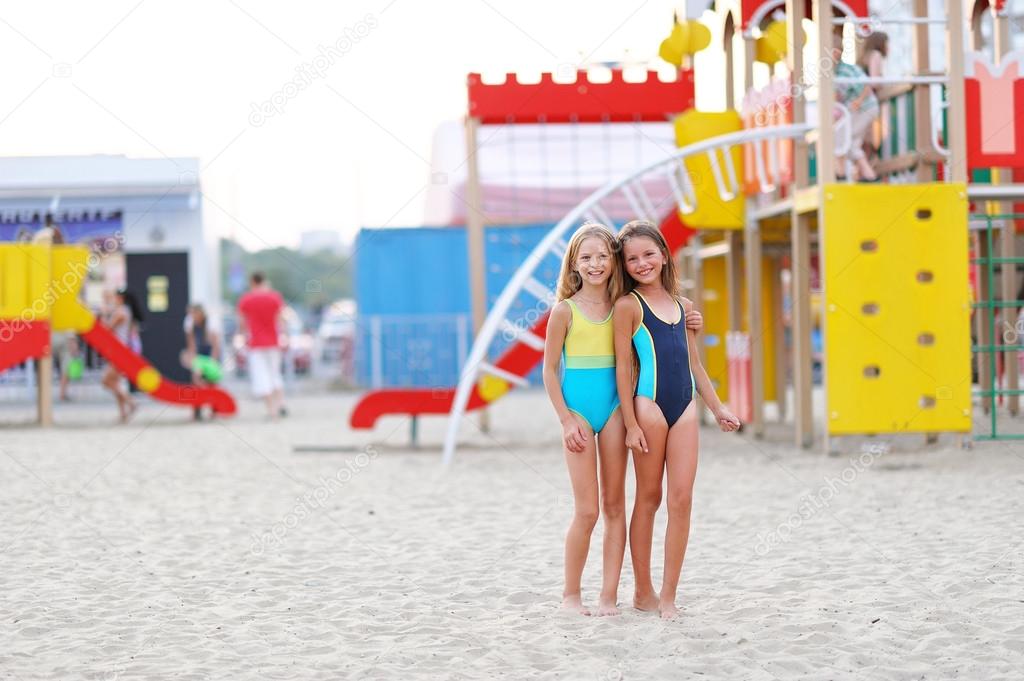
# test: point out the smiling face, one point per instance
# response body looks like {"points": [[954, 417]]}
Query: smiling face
{"points": [[643, 259], [594, 261]]}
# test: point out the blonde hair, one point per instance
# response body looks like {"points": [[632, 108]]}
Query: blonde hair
{"points": [[647, 229], [569, 280]]}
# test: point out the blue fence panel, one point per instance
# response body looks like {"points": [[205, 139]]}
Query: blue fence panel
{"points": [[412, 292], [506, 249]]}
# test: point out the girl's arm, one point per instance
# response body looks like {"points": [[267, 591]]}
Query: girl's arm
{"points": [[624, 319], [694, 320], [190, 339], [725, 418], [117, 318], [875, 61], [214, 343], [573, 434]]}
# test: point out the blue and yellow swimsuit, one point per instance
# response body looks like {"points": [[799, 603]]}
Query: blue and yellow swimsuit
{"points": [[664, 357], [588, 369]]}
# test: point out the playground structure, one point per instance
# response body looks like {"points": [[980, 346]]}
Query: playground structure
{"points": [[758, 182], [39, 286]]}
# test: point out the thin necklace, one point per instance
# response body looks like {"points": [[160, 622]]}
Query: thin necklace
{"points": [[588, 300]]}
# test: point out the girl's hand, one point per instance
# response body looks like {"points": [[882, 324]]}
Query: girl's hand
{"points": [[855, 105], [727, 421], [694, 321], [573, 435], [635, 440]]}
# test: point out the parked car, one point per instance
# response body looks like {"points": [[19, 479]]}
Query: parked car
{"points": [[337, 331]]}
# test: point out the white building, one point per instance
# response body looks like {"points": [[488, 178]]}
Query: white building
{"points": [[147, 211]]}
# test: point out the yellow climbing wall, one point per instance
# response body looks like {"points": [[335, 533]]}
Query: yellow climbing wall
{"points": [[711, 210], [897, 309]]}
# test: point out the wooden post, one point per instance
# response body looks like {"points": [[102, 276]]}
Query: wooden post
{"points": [[826, 96], [734, 279], [755, 319], [730, 64], [922, 98], [696, 268], [826, 160], [781, 365], [44, 389], [1007, 241], [955, 116], [800, 241], [475, 239]]}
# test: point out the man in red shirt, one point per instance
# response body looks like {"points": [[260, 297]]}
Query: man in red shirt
{"points": [[260, 311]]}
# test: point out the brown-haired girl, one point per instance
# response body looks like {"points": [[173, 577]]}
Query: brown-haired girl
{"points": [[659, 413]]}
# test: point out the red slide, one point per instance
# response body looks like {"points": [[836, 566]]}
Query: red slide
{"points": [[518, 359], [22, 340], [149, 380]]}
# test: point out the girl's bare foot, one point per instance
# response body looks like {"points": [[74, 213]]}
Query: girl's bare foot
{"points": [[575, 603], [607, 607], [668, 610], [646, 603]]}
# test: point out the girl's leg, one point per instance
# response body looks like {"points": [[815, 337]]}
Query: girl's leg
{"points": [[614, 458], [649, 467], [681, 464], [110, 381], [861, 123], [583, 475]]}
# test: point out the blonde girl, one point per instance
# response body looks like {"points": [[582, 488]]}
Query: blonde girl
{"points": [[657, 404], [579, 376]]}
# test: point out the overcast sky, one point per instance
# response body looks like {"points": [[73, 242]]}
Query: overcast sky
{"points": [[351, 148]]}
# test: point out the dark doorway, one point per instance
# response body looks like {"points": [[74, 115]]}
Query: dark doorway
{"points": [[160, 282]]}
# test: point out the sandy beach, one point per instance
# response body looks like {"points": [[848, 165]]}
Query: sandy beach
{"points": [[252, 550]]}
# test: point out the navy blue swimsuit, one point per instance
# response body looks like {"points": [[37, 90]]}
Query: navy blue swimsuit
{"points": [[664, 357]]}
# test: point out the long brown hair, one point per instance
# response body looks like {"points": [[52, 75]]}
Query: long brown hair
{"points": [[569, 280], [877, 41], [647, 229]]}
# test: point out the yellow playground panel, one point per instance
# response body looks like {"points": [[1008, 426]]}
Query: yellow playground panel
{"points": [[714, 307], [897, 308], [711, 211], [70, 265], [24, 279]]}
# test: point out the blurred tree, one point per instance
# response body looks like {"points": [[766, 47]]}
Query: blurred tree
{"points": [[307, 281]]}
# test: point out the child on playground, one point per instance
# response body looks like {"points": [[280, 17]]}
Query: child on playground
{"points": [[122, 314], [202, 351], [579, 376], [658, 411]]}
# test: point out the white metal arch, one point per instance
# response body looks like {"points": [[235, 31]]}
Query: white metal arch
{"points": [[683, 189]]}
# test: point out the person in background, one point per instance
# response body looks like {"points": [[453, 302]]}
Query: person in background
{"points": [[123, 315], [872, 61], [860, 99], [876, 50], [64, 346], [259, 312], [49, 234], [202, 346]]}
